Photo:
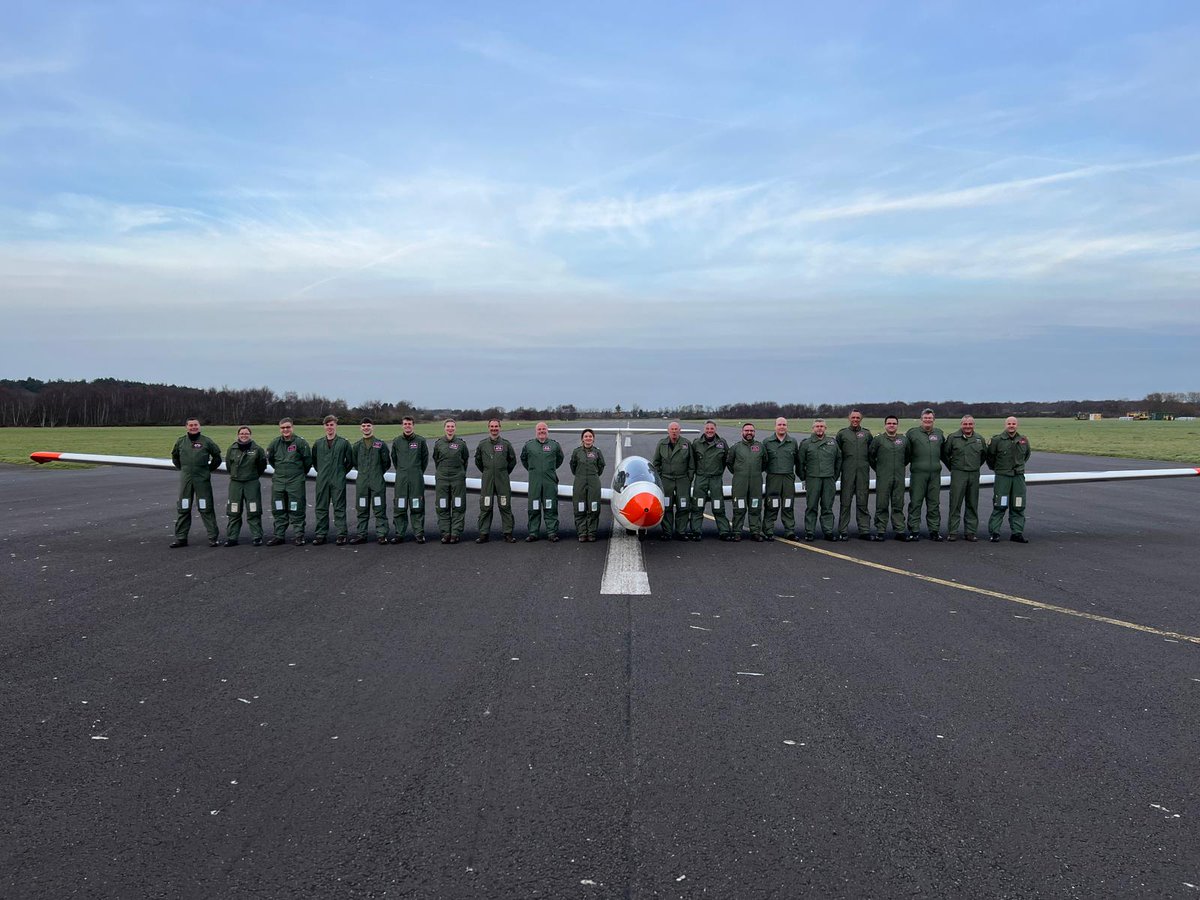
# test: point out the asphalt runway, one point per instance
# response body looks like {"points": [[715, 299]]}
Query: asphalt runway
{"points": [[772, 720]]}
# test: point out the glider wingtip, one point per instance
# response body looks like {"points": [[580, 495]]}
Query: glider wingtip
{"points": [[43, 456]]}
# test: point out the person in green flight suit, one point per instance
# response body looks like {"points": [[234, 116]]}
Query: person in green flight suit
{"points": [[675, 466], [410, 458], [245, 461], [196, 456], [964, 454], [450, 457], [1007, 454], [333, 460], [708, 453], [587, 465], [925, 477], [820, 465], [291, 458], [372, 459], [888, 456], [541, 458], [747, 461], [854, 442], [495, 459], [783, 461]]}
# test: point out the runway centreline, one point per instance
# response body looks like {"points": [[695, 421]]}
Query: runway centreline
{"points": [[999, 595]]}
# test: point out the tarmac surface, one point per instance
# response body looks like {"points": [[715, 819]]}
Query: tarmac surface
{"points": [[772, 720]]}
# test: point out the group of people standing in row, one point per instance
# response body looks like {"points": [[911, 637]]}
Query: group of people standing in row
{"points": [[291, 457], [691, 472], [765, 474]]}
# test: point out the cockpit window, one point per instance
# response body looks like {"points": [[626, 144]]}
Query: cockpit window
{"points": [[633, 470]]}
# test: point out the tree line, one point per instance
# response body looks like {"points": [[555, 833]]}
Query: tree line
{"points": [[108, 401]]}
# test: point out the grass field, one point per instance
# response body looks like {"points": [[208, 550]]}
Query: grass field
{"points": [[1171, 441], [17, 443]]}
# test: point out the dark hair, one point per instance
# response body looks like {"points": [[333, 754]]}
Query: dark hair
{"points": [[885, 419], [586, 431], [367, 422]]}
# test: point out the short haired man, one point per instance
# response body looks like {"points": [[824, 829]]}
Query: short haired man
{"points": [[372, 459], [783, 461], [495, 459], [964, 454], [888, 457], [333, 460], [674, 464], [410, 459], [196, 456], [747, 461], [541, 458], [245, 462], [450, 457], [820, 465], [854, 442], [291, 458], [708, 454], [925, 477], [1007, 454]]}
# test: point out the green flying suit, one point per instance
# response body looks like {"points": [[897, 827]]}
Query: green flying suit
{"points": [[587, 465], [925, 478], [820, 465], [1006, 456], [889, 457], [333, 460], [747, 461], [245, 463], [372, 459], [964, 457], [495, 461], [708, 486], [855, 447], [450, 457], [291, 460], [783, 464], [196, 457], [410, 458], [542, 460], [675, 466]]}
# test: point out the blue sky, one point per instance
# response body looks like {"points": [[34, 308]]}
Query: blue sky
{"points": [[477, 204]]}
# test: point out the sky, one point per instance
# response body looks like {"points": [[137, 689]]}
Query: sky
{"points": [[469, 205]]}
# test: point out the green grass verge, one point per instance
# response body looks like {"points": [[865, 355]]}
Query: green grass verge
{"points": [[156, 441], [1168, 441]]}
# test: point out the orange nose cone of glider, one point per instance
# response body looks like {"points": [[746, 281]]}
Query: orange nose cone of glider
{"points": [[643, 511]]}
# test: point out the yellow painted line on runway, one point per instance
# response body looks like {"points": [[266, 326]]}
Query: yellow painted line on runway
{"points": [[999, 595]]}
